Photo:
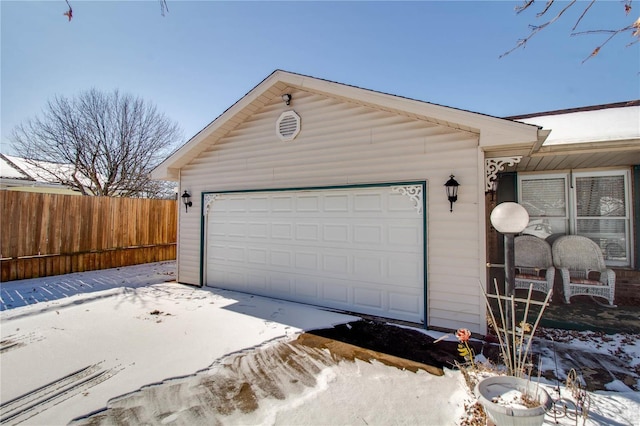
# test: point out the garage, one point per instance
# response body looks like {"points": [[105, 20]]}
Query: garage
{"points": [[315, 191], [353, 248]]}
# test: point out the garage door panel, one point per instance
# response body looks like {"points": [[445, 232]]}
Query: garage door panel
{"points": [[368, 298], [308, 204], [281, 258], [307, 232], [259, 230], [307, 288], [280, 284], [336, 203], [404, 304], [336, 233], [307, 261], [258, 204], [281, 231], [371, 203], [335, 264], [216, 252], [358, 249], [334, 290], [218, 228], [400, 270], [256, 283], [404, 235], [404, 269], [370, 267], [368, 234], [257, 256], [282, 204]]}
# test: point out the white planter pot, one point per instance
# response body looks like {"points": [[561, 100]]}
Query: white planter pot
{"points": [[507, 414]]}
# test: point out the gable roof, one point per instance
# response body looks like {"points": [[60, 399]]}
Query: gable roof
{"points": [[20, 174], [9, 170], [42, 173], [495, 134]]}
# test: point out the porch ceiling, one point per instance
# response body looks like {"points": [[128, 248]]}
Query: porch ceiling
{"points": [[577, 156]]}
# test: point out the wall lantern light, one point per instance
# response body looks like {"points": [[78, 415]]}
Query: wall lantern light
{"points": [[452, 191], [286, 98], [186, 199]]}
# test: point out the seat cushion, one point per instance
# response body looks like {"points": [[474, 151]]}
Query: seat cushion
{"points": [[584, 281], [529, 277]]}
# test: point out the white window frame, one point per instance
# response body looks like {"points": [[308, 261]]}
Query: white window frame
{"points": [[571, 210], [567, 202]]}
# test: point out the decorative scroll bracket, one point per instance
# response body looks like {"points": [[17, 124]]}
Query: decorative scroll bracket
{"points": [[414, 192], [494, 165], [208, 199]]}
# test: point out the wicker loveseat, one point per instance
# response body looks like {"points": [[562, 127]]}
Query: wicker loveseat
{"points": [[583, 270], [533, 263]]}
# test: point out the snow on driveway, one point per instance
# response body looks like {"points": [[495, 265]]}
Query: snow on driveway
{"points": [[135, 337], [16, 294], [140, 350]]}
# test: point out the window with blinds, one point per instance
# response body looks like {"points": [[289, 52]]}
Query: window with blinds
{"points": [[545, 199], [591, 204], [602, 214]]}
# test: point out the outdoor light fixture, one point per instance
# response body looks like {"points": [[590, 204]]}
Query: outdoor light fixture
{"points": [[509, 219], [286, 98], [452, 191], [186, 199]]}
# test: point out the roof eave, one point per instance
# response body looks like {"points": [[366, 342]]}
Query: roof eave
{"points": [[494, 132]]}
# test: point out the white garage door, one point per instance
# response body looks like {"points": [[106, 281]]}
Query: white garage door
{"points": [[358, 249]]}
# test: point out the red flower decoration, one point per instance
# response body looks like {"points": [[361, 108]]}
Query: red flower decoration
{"points": [[463, 335]]}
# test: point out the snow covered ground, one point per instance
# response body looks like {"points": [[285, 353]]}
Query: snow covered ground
{"points": [[154, 352]]}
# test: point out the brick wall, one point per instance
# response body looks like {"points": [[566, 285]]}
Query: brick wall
{"points": [[627, 287]]}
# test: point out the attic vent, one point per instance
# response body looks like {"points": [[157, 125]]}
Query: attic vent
{"points": [[288, 126]]}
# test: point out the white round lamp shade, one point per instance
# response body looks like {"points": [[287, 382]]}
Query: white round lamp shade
{"points": [[509, 218]]}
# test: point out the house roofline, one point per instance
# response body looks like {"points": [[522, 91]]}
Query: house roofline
{"points": [[26, 176], [492, 130], [631, 103]]}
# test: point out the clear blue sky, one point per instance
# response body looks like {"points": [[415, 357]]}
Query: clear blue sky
{"points": [[205, 55]]}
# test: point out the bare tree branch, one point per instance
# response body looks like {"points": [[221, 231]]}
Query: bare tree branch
{"points": [[164, 8], [525, 6], [613, 34], [584, 12], [534, 29], [546, 8], [103, 143], [537, 28]]}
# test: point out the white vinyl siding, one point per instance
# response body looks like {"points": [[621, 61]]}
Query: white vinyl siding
{"points": [[342, 143]]}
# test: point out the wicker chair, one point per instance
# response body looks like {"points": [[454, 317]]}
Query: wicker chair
{"points": [[534, 264], [583, 270]]}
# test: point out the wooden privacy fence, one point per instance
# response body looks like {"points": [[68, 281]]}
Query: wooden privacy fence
{"points": [[51, 234]]}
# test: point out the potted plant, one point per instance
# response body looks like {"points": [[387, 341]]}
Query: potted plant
{"points": [[513, 399], [509, 400]]}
